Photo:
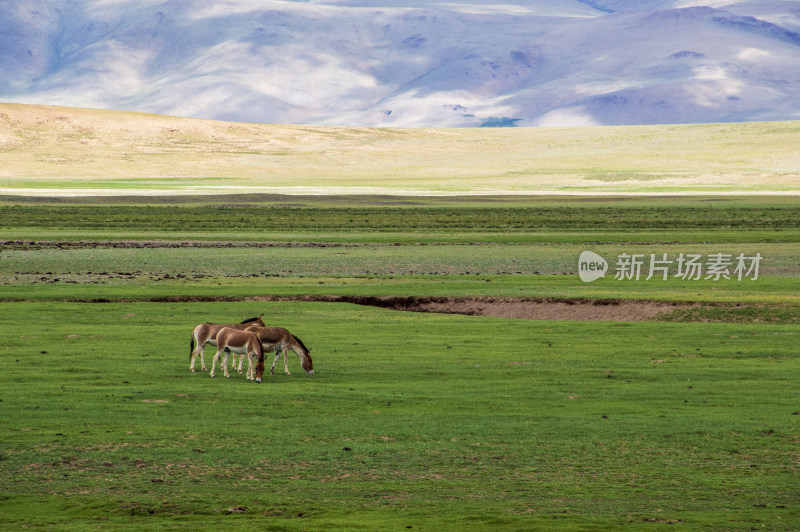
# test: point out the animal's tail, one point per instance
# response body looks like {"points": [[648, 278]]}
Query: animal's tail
{"points": [[191, 346]]}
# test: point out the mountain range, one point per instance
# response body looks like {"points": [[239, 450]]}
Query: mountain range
{"points": [[409, 63]]}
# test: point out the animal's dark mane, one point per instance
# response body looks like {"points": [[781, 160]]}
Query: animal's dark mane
{"points": [[249, 320], [299, 341]]}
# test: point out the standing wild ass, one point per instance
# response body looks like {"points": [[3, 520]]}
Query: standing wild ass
{"points": [[280, 340], [231, 340], [206, 333]]}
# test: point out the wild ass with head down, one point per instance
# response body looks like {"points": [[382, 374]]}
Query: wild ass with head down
{"points": [[206, 333], [244, 342], [280, 340]]}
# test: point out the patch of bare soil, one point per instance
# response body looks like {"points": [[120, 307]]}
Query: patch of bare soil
{"points": [[529, 308], [28, 245], [519, 308]]}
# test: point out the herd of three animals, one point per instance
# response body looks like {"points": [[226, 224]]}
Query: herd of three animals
{"points": [[250, 338]]}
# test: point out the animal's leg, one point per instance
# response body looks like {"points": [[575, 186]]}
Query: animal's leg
{"points": [[286, 361], [225, 364], [197, 351], [272, 369], [241, 361], [202, 349], [214, 363], [251, 374]]}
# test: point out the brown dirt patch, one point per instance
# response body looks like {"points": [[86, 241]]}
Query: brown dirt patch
{"points": [[28, 245], [519, 308], [529, 308], [577, 309], [583, 310]]}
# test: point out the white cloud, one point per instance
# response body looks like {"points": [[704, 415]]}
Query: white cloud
{"points": [[753, 54], [568, 117]]}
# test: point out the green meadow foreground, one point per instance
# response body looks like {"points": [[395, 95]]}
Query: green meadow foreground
{"points": [[411, 420], [688, 420], [661, 403]]}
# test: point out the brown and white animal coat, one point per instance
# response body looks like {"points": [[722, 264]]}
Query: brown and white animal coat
{"points": [[231, 340], [206, 333], [281, 341]]}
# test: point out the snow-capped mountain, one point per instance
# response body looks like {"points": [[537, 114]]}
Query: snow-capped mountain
{"points": [[410, 63]]}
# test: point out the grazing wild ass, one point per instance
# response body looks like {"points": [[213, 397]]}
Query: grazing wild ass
{"points": [[231, 340], [280, 340], [206, 333]]}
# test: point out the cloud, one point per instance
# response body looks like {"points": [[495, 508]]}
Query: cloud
{"points": [[567, 117]]}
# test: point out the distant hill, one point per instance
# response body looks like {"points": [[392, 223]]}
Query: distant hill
{"points": [[410, 63], [59, 151]]}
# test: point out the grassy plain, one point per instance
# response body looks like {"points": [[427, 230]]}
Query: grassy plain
{"points": [[689, 421], [113, 152], [411, 420], [427, 421], [525, 247]]}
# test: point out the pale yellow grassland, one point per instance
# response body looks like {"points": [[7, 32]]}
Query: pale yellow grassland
{"points": [[47, 149]]}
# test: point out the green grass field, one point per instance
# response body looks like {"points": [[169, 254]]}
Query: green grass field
{"points": [[421, 420], [430, 421], [685, 419]]}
